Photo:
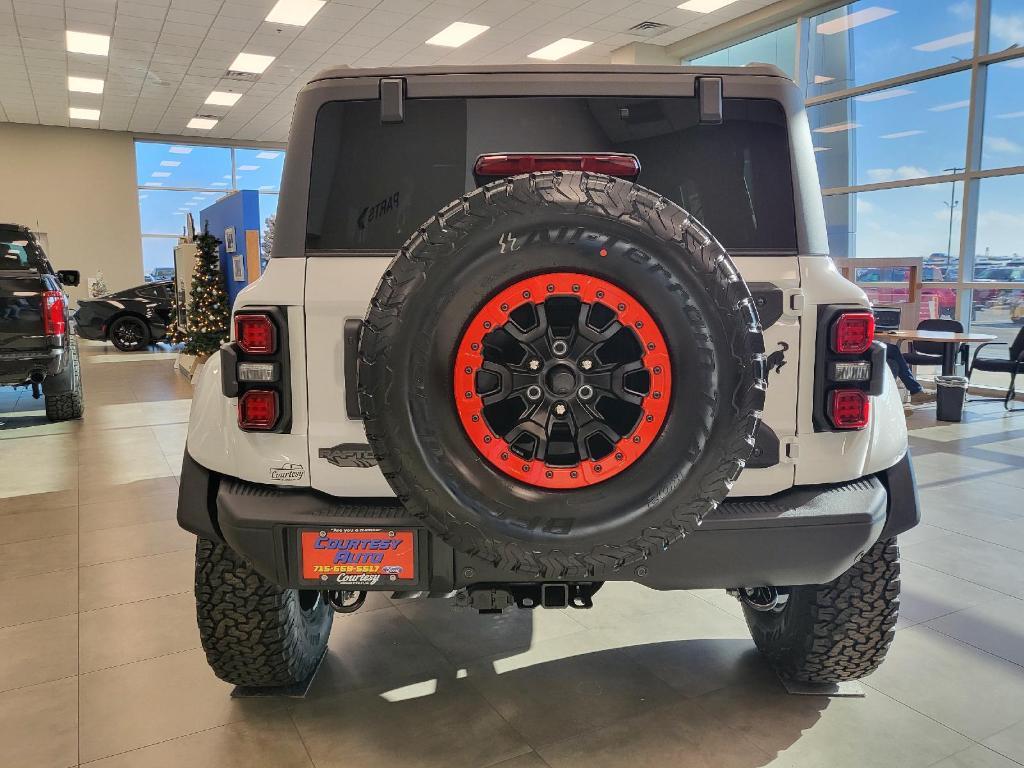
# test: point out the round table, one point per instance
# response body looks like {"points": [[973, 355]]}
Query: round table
{"points": [[950, 342]]}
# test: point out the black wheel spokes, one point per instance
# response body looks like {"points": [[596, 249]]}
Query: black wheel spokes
{"points": [[562, 381]]}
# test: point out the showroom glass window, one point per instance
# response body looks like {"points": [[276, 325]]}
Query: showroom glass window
{"points": [[895, 89], [177, 179]]}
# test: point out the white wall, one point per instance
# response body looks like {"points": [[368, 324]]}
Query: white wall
{"points": [[78, 186]]}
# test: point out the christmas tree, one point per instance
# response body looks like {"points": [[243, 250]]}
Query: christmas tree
{"points": [[267, 243], [208, 310]]}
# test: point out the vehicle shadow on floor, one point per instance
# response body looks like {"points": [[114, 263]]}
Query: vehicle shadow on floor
{"points": [[688, 702]]}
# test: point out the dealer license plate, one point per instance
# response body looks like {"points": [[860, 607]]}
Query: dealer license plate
{"points": [[358, 556]]}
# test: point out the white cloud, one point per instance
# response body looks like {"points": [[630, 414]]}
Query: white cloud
{"points": [[865, 207], [963, 10], [1008, 29], [896, 174], [1001, 145]]}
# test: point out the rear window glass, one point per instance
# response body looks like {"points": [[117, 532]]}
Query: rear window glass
{"points": [[373, 184], [18, 252]]}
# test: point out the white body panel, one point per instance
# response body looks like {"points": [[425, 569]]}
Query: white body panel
{"points": [[321, 293]]}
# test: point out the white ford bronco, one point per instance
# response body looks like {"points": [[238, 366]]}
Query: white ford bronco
{"points": [[529, 329]]}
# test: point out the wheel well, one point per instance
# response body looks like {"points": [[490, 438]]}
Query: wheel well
{"points": [[122, 314]]}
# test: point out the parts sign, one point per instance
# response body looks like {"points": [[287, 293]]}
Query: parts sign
{"points": [[370, 553]]}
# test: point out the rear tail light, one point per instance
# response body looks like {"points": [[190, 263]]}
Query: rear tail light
{"points": [[849, 408], [255, 334], [852, 333], [258, 409], [54, 305], [611, 164]]}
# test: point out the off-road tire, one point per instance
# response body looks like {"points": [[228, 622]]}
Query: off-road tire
{"points": [[63, 406], [485, 241], [838, 631], [254, 632]]}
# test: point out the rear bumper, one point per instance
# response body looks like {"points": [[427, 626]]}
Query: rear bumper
{"points": [[17, 367], [807, 535]]}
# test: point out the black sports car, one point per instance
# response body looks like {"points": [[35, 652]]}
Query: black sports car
{"points": [[131, 319]]}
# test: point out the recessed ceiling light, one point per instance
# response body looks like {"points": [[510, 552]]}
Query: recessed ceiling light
{"points": [[251, 62], [81, 113], [223, 98], [901, 134], [85, 84], [704, 6], [837, 128], [170, 163], [267, 155], [248, 167], [946, 42], [951, 105], [822, 79], [855, 19], [180, 150], [297, 13], [87, 42], [202, 123], [160, 174], [892, 93], [457, 34], [559, 49]]}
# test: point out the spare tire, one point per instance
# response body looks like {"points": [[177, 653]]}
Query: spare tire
{"points": [[561, 373]]}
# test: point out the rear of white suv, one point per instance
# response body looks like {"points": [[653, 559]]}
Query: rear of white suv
{"points": [[516, 408]]}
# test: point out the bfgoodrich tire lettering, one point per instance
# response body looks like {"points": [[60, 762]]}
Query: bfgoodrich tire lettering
{"points": [[570, 222], [837, 631], [255, 633]]}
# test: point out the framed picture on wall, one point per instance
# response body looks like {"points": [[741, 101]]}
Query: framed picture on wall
{"points": [[238, 268], [229, 239]]}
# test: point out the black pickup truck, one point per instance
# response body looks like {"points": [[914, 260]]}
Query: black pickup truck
{"points": [[38, 348]]}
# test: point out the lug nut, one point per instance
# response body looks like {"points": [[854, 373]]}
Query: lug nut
{"points": [[586, 364], [534, 364], [533, 392], [560, 409], [585, 392]]}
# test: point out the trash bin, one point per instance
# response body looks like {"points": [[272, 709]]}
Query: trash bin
{"points": [[950, 394]]}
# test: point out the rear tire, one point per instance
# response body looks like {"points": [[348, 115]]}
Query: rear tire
{"points": [[254, 632], [129, 334], [63, 406], [838, 631]]}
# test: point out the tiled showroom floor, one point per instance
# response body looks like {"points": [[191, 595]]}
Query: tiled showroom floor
{"points": [[100, 660]]}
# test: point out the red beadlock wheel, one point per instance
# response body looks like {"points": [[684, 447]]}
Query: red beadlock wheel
{"points": [[562, 380]]}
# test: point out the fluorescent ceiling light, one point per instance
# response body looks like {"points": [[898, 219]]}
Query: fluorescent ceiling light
{"points": [[902, 134], [223, 98], [251, 62], [951, 105], [85, 84], [202, 123], [297, 13], [81, 113], [560, 49], [180, 150], [456, 34], [160, 174], [170, 163], [892, 93], [87, 42], [248, 168], [855, 19], [837, 128], [267, 155], [704, 6], [822, 79], [946, 42]]}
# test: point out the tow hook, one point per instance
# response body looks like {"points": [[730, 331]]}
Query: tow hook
{"points": [[764, 599], [344, 601]]}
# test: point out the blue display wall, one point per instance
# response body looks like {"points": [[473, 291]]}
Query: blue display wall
{"points": [[235, 218]]}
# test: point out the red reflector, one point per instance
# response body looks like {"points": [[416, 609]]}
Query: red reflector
{"points": [[257, 409], [623, 166], [849, 408], [256, 334], [54, 323], [853, 332]]}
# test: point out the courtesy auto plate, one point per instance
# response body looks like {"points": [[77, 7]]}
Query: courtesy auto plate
{"points": [[358, 555]]}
